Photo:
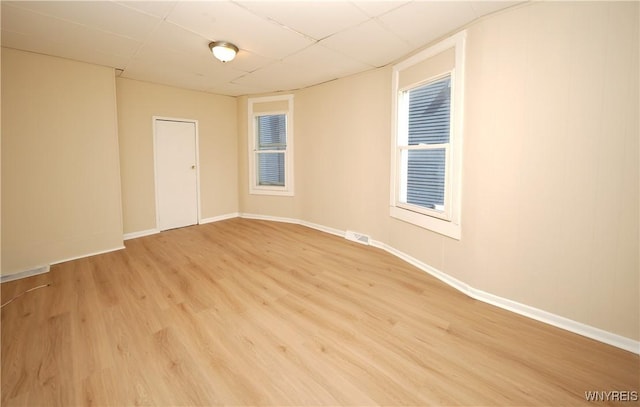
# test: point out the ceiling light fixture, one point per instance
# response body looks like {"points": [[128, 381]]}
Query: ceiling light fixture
{"points": [[224, 51]]}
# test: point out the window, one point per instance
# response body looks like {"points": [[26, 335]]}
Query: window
{"points": [[270, 145], [423, 144], [271, 134], [427, 138]]}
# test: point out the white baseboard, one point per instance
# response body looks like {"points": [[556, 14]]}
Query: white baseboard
{"points": [[219, 218], [24, 274], [311, 225], [269, 218], [445, 278], [46, 269], [322, 228], [504, 303], [142, 233], [519, 308], [148, 232], [87, 255], [558, 321]]}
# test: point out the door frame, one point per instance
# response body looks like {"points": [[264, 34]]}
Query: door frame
{"points": [[154, 120]]}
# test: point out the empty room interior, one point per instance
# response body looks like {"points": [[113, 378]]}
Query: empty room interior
{"points": [[303, 203]]}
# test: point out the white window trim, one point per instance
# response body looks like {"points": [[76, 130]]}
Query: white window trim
{"points": [[409, 213], [254, 188]]}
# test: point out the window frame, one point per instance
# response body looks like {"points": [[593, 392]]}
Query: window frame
{"points": [[448, 221], [254, 187]]}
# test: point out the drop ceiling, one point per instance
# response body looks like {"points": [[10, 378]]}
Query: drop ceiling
{"points": [[284, 45]]}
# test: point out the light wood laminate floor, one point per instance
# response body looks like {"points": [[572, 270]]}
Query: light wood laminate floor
{"points": [[245, 312]]}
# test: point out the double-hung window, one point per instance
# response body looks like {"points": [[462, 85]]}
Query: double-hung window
{"points": [[271, 149], [427, 138], [270, 145]]}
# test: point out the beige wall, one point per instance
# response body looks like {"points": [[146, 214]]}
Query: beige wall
{"points": [[138, 102], [60, 170], [342, 153], [0, 162], [550, 194], [551, 171]]}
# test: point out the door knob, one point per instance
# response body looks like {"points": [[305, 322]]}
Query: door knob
{"points": [[193, 167]]}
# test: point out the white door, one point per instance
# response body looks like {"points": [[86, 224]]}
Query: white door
{"points": [[176, 174]]}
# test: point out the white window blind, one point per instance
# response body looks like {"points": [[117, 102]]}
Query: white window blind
{"points": [[271, 149], [429, 111]]}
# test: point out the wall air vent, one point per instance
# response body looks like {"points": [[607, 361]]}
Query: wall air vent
{"points": [[357, 237]]}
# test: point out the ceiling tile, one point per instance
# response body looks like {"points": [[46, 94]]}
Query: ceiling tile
{"points": [[175, 38], [229, 22], [179, 80], [483, 8], [248, 61], [158, 60], [234, 89], [325, 60], [75, 41], [203, 78], [419, 23], [154, 8], [47, 46], [102, 15], [316, 19], [377, 8], [370, 43], [281, 76]]}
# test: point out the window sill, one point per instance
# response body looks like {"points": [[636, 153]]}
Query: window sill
{"points": [[270, 191], [443, 227]]}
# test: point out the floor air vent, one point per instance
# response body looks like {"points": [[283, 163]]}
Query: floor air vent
{"points": [[357, 237]]}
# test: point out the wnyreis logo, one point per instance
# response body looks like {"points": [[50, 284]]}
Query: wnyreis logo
{"points": [[613, 395]]}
